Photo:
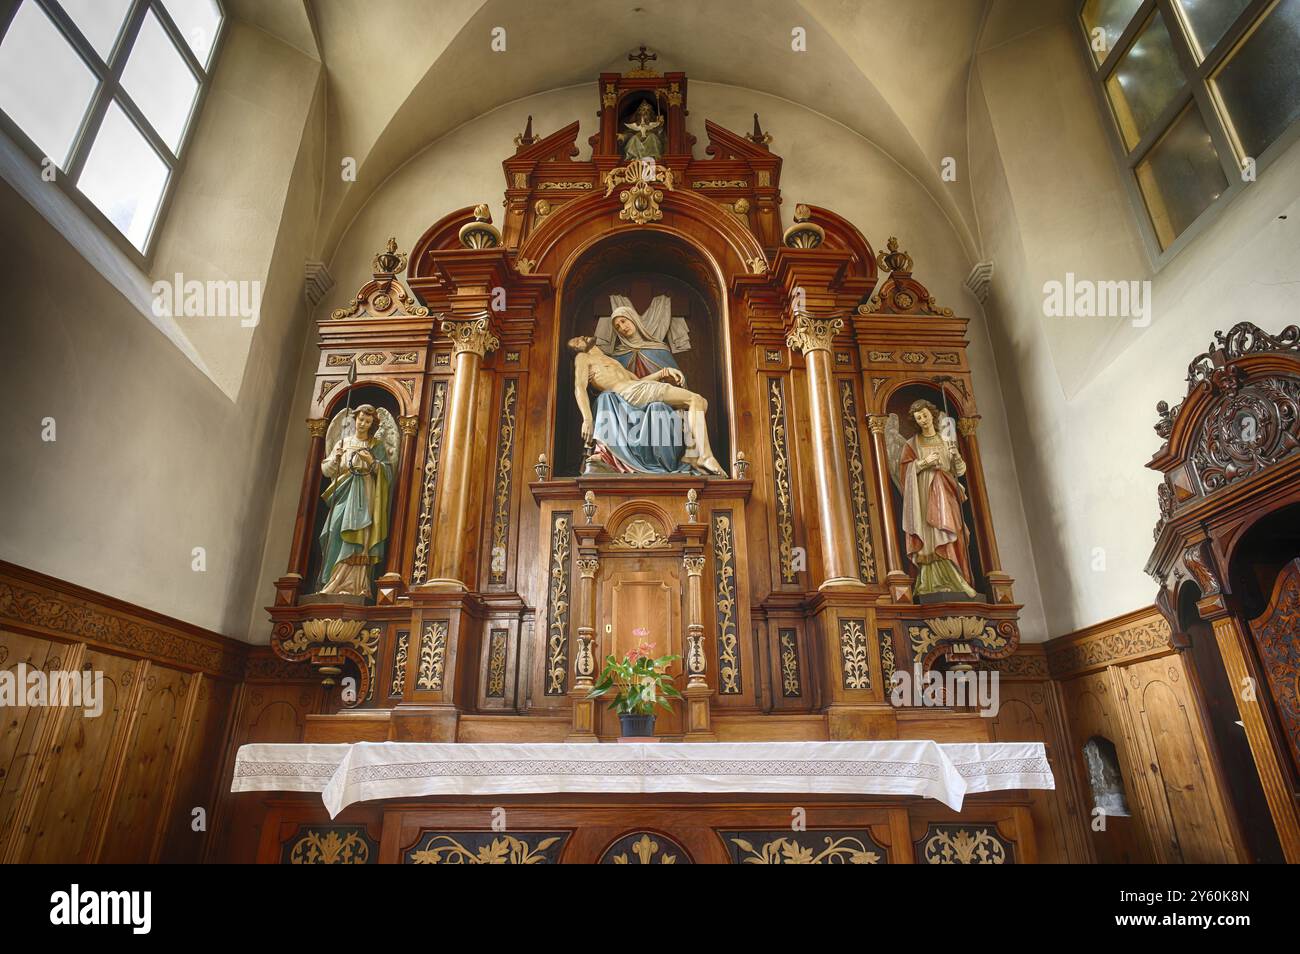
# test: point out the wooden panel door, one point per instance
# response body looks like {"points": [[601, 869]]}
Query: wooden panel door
{"points": [[640, 593], [1190, 813]]}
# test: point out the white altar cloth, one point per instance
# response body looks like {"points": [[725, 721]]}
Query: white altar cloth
{"points": [[364, 771]]}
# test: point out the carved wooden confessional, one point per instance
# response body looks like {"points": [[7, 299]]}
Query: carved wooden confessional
{"points": [[1227, 558], [508, 576]]}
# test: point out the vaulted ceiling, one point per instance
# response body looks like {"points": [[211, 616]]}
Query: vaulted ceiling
{"points": [[402, 73]]}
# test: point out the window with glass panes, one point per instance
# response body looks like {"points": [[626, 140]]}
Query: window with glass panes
{"points": [[1203, 93], [103, 93]]}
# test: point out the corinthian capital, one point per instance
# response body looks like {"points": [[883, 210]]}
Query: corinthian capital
{"points": [[473, 334], [813, 334]]}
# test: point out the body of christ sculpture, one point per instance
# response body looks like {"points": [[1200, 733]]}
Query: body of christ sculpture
{"points": [[360, 467], [638, 425]]}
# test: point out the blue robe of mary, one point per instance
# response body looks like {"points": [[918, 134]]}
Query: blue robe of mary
{"points": [[649, 439]]}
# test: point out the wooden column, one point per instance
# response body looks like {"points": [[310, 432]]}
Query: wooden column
{"points": [[999, 582], [286, 588], [389, 586], [584, 657], [896, 577], [698, 694], [471, 339], [813, 336], [1272, 773]]}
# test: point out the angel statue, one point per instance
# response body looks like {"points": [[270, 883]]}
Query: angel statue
{"points": [[360, 467], [925, 468], [645, 421], [645, 141]]}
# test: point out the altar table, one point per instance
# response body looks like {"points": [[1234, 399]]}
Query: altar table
{"points": [[347, 773]]}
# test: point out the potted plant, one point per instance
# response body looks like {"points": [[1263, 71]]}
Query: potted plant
{"points": [[639, 681]]}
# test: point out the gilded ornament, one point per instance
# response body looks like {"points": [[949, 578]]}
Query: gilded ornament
{"points": [[639, 534], [641, 199], [813, 334], [503, 483], [472, 335], [557, 626], [781, 478], [854, 658], [429, 484], [724, 568], [433, 656]]}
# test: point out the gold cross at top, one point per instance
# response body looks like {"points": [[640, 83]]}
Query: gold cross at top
{"points": [[643, 56]]}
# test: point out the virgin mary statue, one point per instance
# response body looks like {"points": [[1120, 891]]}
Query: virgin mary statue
{"points": [[360, 468]]}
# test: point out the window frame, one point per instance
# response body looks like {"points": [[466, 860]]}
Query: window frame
{"points": [[108, 75], [1197, 90]]}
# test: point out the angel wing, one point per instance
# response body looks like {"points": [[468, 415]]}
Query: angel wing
{"points": [[894, 444], [341, 426], [388, 434]]}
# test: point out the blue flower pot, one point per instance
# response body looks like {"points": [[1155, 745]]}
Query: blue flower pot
{"points": [[637, 726]]}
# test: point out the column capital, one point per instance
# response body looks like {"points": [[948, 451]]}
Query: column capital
{"points": [[693, 564], [876, 423], [588, 565], [316, 426], [472, 335], [968, 425], [813, 334], [408, 425]]}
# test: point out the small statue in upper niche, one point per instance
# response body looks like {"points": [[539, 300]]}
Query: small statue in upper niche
{"points": [[925, 467], [646, 139], [360, 467]]}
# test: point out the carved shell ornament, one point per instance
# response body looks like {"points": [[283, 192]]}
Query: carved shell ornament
{"points": [[639, 534]]}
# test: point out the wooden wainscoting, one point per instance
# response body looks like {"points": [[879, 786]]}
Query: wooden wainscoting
{"points": [[1031, 710], [123, 786], [1123, 682]]}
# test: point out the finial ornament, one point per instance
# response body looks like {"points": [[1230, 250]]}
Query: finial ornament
{"points": [[390, 261], [693, 505], [893, 259], [758, 137], [480, 233], [742, 466], [526, 138], [542, 468], [805, 233], [589, 505]]}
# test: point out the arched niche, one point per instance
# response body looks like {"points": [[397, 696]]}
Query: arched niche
{"points": [[1104, 777], [899, 401], [361, 393], [640, 266]]}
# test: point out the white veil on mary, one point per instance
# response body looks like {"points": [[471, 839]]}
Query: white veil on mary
{"points": [[658, 328]]}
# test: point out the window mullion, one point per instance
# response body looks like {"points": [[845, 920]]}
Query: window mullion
{"points": [[70, 32], [89, 130], [1160, 125], [1247, 19], [1122, 42], [178, 39], [1222, 141]]}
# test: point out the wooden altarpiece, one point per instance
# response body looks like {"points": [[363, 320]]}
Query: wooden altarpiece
{"points": [[509, 575], [1227, 551]]}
